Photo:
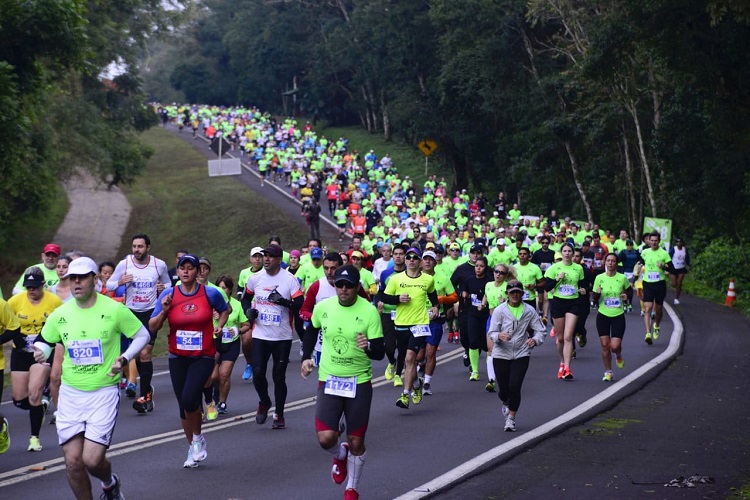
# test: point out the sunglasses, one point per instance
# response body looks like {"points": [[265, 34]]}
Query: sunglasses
{"points": [[500, 272], [412, 257], [345, 284]]}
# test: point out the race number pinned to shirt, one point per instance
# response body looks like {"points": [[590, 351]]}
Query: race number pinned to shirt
{"points": [[269, 317], [420, 330], [566, 290], [189, 340], [85, 352], [654, 276], [345, 387], [475, 301], [612, 302]]}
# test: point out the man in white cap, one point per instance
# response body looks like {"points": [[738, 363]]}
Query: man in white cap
{"points": [[89, 329]]}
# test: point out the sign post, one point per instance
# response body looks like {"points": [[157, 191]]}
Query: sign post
{"points": [[427, 147]]}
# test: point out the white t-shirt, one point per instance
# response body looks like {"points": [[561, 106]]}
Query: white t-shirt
{"points": [[274, 321], [140, 294]]}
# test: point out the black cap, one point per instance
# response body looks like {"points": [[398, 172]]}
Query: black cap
{"points": [[189, 259], [477, 248], [348, 274], [273, 251]]}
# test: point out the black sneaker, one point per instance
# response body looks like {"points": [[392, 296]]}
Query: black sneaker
{"points": [[113, 492], [222, 408], [467, 362], [262, 414]]}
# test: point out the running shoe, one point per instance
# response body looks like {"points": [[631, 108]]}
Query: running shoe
{"points": [[648, 338], [608, 377], [427, 391], [338, 471], [643, 313], [474, 376], [490, 387], [620, 362], [561, 371], [199, 449], [123, 383], [574, 353], [351, 494], [390, 371], [403, 401], [677, 302], [467, 362], [278, 422], [342, 424], [45, 402], [34, 444], [510, 424], [545, 320], [189, 462], [653, 315], [657, 330], [144, 404], [581, 340], [222, 408], [397, 382], [211, 412], [568, 375], [130, 390], [301, 352], [53, 420], [262, 414], [552, 332], [248, 373], [505, 410], [416, 395], [4, 437], [113, 492], [450, 337]]}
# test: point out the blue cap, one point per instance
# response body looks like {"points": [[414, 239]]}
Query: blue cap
{"points": [[316, 253]]}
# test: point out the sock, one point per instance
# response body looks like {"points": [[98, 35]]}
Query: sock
{"points": [[406, 392], [146, 370], [111, 483], [354, 470], [427, 379], [338, 451], [197, 437], [474, 358], [36, 415], [490, 368]]}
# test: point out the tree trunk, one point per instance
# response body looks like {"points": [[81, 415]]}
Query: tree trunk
{"points": [[577, 180], [386, 118], [368, 116], [629, 183], [644, 161]]}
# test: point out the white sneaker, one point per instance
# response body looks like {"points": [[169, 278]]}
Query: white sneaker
{"points": [[199, 449], [190, 463], [677, 302], [510, 424]]}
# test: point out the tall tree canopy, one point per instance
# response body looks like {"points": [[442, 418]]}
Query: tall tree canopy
{"points": [[607, 111], [57, 111]]}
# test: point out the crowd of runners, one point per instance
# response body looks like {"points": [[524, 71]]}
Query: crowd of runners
{"points": [[412, 265]]}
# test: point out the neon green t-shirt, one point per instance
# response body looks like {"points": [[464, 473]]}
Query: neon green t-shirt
{"points": [[566, 288], [651, 258], [611, 302], [413, 312], [527, 275], [496, 295], [308, 274], [339, 327], [91, 338]]}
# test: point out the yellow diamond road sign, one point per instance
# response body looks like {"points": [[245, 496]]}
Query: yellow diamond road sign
{"points": [[427, 147]]}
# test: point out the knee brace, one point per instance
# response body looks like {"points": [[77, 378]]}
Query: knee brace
{"points": [[22, 404]]}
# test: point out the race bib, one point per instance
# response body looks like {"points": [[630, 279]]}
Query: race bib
{"points": [[420, 330], [475, 301], [629, 276], [612, 302], [188, 340], [345, 387], [654, 276], [269, 318], [545, 266], [85, 352], [566, 290], [393, 315], [227, 336], [526, 295]]}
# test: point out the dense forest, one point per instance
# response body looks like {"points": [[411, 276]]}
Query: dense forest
{"points": [[609, 111]]}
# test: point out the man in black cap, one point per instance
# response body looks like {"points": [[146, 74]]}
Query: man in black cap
{"points": [[272, 329]]}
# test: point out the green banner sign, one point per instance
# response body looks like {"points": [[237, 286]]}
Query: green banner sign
{"points": [[664, 226]]}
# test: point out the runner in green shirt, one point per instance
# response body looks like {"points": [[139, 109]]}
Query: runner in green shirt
{"points": [[610, 292], [655, 260], [352, 336]]}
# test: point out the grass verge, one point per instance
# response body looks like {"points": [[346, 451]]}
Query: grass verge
{"points": [[180, 207]]}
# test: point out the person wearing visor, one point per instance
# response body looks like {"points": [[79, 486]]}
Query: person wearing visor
{"points": [[89, 329], [189, 307]]}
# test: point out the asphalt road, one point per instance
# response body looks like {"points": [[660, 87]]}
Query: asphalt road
{"points": [[407, 449]]}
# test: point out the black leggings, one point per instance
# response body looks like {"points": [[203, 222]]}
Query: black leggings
{"points": [[389, 337], [279, 350], [510, 374], [477, 332], [189, 375]]}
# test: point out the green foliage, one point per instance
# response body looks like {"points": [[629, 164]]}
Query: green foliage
{"points": [[717, 263]]}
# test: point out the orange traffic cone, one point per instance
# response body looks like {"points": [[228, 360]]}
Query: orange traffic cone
{"points": [[731, 295]]}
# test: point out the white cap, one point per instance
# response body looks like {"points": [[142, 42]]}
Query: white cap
{"points": [[81, 267], [256, 250], [429, 253]]}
